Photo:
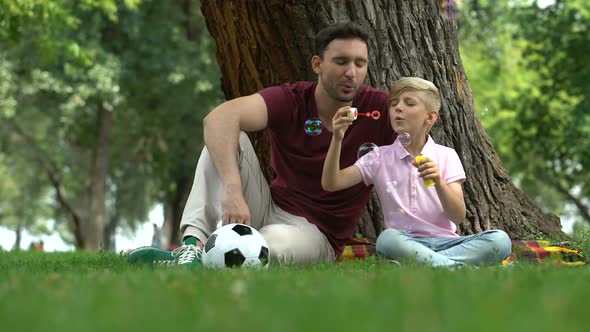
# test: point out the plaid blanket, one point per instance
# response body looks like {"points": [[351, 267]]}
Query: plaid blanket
{"points": [[535, 251], [358, 248], [538, 252]]}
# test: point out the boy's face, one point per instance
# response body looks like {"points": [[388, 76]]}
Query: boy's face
{"points": [[343, 68], [411, 113]]}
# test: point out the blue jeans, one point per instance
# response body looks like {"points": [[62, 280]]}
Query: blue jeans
{"points": [[485, 248]]}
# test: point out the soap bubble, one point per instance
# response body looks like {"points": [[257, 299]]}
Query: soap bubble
{"points": [[369, 152], [313, 127], [405, 139]]}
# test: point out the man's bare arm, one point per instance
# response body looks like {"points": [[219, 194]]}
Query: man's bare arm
{"points": [[221, 130]]}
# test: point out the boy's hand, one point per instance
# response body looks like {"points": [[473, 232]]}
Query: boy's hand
{"points": [[428, 169], [340, 122]]}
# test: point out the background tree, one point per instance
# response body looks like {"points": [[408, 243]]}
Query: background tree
{"points": [[271, 42], [532, 94], [105, 99]]}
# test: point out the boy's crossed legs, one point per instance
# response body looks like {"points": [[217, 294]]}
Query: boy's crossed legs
{"points": [[485, 248]]}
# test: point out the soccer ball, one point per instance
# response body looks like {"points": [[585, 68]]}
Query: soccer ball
{"points": [[236, 245]]}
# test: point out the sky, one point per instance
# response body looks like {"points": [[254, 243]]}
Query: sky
{"points": [[545, 3]]}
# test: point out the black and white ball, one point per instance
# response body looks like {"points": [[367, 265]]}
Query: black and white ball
{"points": [[236, 245]]}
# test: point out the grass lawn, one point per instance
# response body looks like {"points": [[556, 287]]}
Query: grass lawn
{"points": [[101, 292]]}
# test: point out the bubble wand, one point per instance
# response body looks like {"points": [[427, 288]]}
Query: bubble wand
{"points": [[354, 113]]}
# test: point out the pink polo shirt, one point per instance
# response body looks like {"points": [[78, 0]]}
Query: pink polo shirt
{"points": [[409, 205]]}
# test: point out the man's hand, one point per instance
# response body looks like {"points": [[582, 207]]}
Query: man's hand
{"points": [[340, 122], [234, 209]]}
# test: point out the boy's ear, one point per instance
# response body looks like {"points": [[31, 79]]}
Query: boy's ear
{"points": [[432, 117], [316, 61]]}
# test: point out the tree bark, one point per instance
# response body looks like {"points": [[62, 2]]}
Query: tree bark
{"points": [[269, 42], [108, 238], [173, 209], [18, 232], [95, 220]]}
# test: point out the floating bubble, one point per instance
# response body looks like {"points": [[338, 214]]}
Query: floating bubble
{"points": [[405, 139], [313, 127], [369, 152]]}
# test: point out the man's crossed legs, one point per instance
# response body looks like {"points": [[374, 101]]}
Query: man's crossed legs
{"points": [[291, 239]]}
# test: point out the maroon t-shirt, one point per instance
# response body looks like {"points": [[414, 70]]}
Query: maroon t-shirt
{"points": [[297, 158]]}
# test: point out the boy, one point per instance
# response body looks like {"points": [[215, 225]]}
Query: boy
{"points": [[420, 221]]}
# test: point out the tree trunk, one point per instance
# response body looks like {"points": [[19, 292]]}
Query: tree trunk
{"points": [[269, 42], [173, 209], [108, 238], [18, 232], [95, 220]]}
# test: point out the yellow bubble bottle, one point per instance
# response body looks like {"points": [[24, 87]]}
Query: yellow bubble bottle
{"points": [[427, 182]]}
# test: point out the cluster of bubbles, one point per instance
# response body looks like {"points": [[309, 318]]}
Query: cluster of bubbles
{"points": [[313, 127], [374, 158]]}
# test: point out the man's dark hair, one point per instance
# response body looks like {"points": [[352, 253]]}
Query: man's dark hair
{"points": [[344, 30]]}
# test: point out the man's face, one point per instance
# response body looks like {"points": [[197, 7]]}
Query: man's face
{"points": [[343, 69]]}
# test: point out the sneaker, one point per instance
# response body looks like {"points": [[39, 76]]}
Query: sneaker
{"points": [[150, 255], [188, 255]]}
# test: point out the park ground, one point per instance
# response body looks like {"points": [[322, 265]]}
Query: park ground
{"points": [[78, 291]]}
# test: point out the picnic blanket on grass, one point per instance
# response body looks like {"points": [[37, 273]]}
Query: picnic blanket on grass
{"points": [[538, 251], [358, 248], [534, 251]]}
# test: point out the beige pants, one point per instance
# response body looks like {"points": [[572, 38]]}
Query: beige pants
{"points": [[291, 239]]}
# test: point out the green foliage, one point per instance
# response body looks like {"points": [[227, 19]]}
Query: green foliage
{"points": [[150, 63], [531, 92], [22, 202]]}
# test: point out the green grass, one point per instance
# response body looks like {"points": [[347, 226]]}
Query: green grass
{"points": [[100, 292]]}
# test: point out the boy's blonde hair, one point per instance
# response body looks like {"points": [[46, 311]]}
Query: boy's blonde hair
{"points": [[415, 84]]}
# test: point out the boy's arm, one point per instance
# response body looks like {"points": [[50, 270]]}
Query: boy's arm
{"points": [[333, 178], [451, 198]]}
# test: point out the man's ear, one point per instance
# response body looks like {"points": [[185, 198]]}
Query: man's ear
{"points": [[316, 61]]}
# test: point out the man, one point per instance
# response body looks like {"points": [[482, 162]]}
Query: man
{"points": [[301, 222]]}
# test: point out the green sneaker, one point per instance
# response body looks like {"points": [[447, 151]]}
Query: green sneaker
{"points": [[187, 255], [151, 255]]}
